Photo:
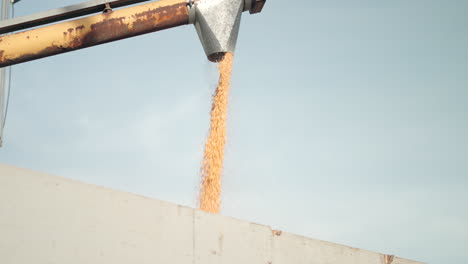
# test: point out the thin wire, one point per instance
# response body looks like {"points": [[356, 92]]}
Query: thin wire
{"points": [[9, 78]]}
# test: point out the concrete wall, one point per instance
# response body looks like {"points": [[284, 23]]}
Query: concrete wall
{"points": [[49, 219]]}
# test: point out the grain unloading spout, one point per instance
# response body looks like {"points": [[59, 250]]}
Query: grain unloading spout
{"points": [[217, 23]]}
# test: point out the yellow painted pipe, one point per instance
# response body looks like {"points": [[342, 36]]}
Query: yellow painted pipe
{"points": [[93, 30]]}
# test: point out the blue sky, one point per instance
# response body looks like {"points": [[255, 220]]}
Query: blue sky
{"points": [[348, 120]]}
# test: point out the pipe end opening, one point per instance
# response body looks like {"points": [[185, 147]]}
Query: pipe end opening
{"points": [[216, 57]]}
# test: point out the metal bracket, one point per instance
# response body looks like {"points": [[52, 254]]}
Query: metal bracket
{"points": [[191, 9], [247, 5], [190, 3], [107, 8], [257, 6]]}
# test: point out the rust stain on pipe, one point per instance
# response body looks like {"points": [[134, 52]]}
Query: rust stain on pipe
{"points": [[90, 31]]}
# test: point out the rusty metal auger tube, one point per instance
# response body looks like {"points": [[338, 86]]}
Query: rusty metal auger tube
{"points": [[93, 30]]}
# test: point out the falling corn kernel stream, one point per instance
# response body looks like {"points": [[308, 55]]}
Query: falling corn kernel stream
{"points": [[212, 166]]}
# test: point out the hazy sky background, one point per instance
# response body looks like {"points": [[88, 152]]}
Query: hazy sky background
{"points": [[348, 120]]}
